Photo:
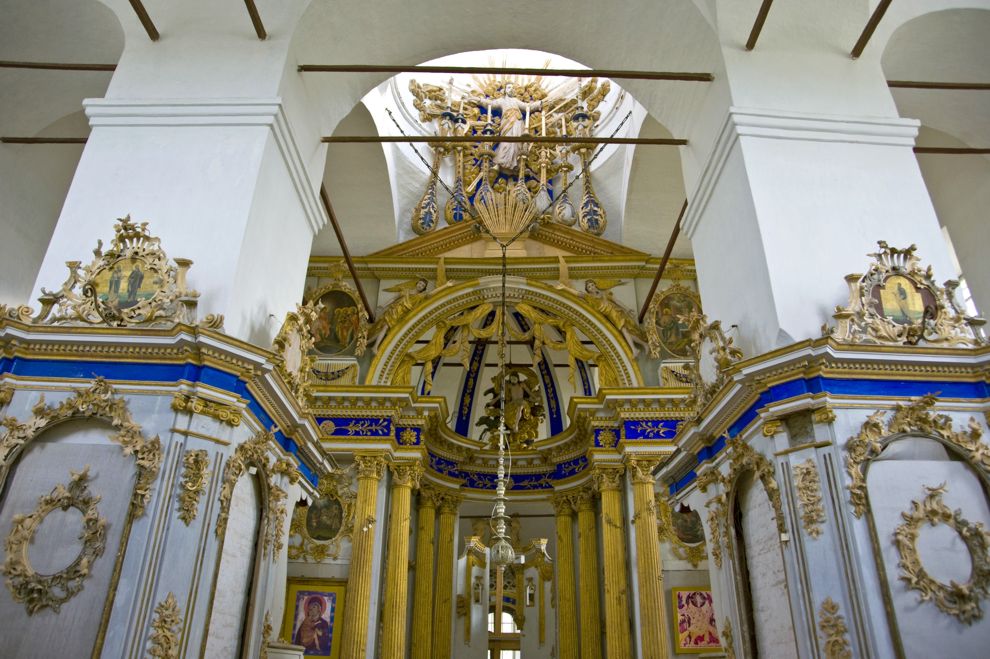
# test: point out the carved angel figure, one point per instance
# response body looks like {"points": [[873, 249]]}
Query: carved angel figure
{"points": [[411, 293], [523, 407], [598, 294]]}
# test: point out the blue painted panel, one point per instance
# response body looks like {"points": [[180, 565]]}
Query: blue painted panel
{"points": [[349, 426], [651, 429]]}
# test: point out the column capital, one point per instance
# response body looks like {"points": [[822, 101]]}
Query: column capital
{"points": [[448, 501], [584, 498], [563, 503], [406, 474], [370, 465], [641, 468], [607, 477]]}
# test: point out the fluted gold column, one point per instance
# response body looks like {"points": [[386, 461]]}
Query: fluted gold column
{"points": [[422, 622], [566, 597], [649, 567], [608, 480], [443, 604], [591, 633], [405, 476], [354, 635]]}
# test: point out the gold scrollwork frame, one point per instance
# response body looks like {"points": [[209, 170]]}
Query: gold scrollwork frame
{"points": [[654, 341], [40, 591], [99, 401], [337, 283], [917, 418], [962, 601], [944, 323], [336, 485], [294, 347], [694, 554]]}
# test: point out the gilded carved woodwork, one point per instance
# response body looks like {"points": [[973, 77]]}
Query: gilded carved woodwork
{"points": [[335, 488], [809, 492], [293, 345], [898, 303], [165, 630], [823, 415], [712, 353], [41, 591], [132, 284], [663, 326], [98, 401], [254, 453], [835, 634], [693, 553], [730, 652], [223, 412], [194, 473], [266, 635], [341, 315], [6, 394], [919, 418], [962, 601], [771, 428]]}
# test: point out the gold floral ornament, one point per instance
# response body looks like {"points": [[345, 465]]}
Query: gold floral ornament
{"points": [[898, 303], [99, 401], [809, 491], [832, 625], [919, 418], [40, 591], [294, 347], [322, 526], [194, 473], [165, 628], [961, 601], [131, 284]]}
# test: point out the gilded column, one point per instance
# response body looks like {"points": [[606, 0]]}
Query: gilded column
{"points": [[566, 597], [591, 633], [405, 476], [422, 622], [443, 596], [649, 567], [354, 635], [608, 481]]}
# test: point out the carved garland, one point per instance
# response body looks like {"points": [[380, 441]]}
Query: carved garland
{"points": [[832, 625], [98, 401], [165, 628], [959, 600], [681, 550], [809, 491], [335, 485], [194, 473], [39, 591], [916, 417], [254, 452]]}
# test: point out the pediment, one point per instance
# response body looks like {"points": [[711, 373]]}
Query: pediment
{"points": [[463, 240]]}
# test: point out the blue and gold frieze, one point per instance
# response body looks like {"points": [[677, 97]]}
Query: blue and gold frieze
{"points": [[650, 429], [606, 437], [485, 480], [349, 426]]}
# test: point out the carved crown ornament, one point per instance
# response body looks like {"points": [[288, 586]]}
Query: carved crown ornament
{"points": [[898, 303], [131, 284]]}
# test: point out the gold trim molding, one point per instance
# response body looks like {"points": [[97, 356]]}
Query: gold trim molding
{"points": [[917, 417], [41, 591], [832, 625], [165, 628], [962, 601], [194, 473], [809, 492], [694, 554], [223, 412]]}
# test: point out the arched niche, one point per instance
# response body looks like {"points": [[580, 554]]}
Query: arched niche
{"points": [[250, 530], [390, 361], [78, 473], [918, 483]]}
